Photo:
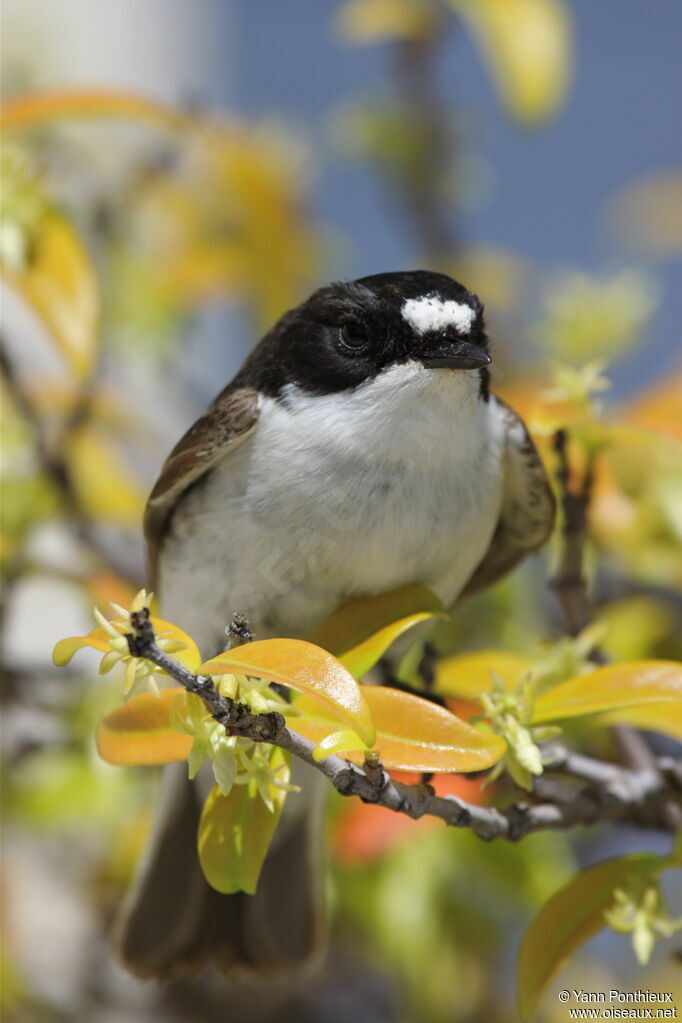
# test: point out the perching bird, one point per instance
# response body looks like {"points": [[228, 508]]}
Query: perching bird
{"points": [[358, 449]]}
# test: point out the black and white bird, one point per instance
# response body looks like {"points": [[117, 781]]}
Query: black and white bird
{"points": [[358, 449]]}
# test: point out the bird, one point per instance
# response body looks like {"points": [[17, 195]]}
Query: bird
{"points": [[359, 448]]}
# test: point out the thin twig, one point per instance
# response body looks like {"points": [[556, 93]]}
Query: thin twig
{"points": [[641, 798]]}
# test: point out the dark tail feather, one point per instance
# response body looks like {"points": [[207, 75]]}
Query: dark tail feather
{"points": [[172, 921]]}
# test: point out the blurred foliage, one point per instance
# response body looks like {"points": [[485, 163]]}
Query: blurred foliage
{"points": [[592, 318], [526, 44], [216, 209], [527, 47]]}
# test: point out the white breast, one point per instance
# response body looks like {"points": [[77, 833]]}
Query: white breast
{"points": [[339, 496]]}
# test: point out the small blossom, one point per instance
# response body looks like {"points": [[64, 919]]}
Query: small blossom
{"points": [[509, 715], [139, 672], [256, 693], [256, 768], [579, 385], [644, 915], [235, 761], [110, 639]]}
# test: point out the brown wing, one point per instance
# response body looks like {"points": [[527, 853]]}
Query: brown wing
{"points": [[226, 423], [528, 505]]}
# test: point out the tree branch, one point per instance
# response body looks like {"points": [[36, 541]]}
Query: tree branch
{"points": [[570, 583], [612, 793], [423, 191]]}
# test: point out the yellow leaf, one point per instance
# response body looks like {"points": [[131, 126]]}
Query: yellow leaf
{"points": [[412, 734], [468, 675], [64, 650], [573, 915], [106, 488], [306, 668], [359, 659], [235, 832], [664, 717], [38, 108], [611, 688], [364, 22], [60, 284], [359, 619], [527, 46], [139, 732]]}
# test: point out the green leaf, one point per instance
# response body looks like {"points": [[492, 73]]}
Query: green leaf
{"points": [[569, 918], [306, 668], [357, 620], [361, 658], [235, 832]]}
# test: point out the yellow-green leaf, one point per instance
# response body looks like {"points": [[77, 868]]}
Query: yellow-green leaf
{"points": [[357, 620], [140, 733], [359, 659], [412, 734], [235, 832], [60, 284], [306, 668], [338, 742], [573, 915], [527, 47], [612, 688], [468, 675]]}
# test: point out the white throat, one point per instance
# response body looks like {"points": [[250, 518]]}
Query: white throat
{"points": [[406, 411]]}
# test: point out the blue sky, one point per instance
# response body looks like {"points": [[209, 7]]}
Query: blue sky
{"points": [[551, 185]]}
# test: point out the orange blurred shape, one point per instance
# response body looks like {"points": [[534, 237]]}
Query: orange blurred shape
{"points": [[464, 709], [364, 833], [659, 407], [106, 586]]}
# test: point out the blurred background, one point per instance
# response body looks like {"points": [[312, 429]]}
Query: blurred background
{"points": [[174, 176]]}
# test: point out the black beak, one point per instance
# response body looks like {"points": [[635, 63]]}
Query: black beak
{"points": [[456, 355]]}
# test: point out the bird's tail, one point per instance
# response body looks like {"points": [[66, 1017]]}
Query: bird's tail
{"points": [[173, 922]]}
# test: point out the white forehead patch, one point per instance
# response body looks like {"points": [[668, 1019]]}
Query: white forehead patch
{"points": [[432, 313]]}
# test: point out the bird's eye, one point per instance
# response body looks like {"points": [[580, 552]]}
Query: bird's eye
{"points": [[354, 336]]}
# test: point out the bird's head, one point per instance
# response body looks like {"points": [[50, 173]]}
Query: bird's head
{"points": [[350, 332]]}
